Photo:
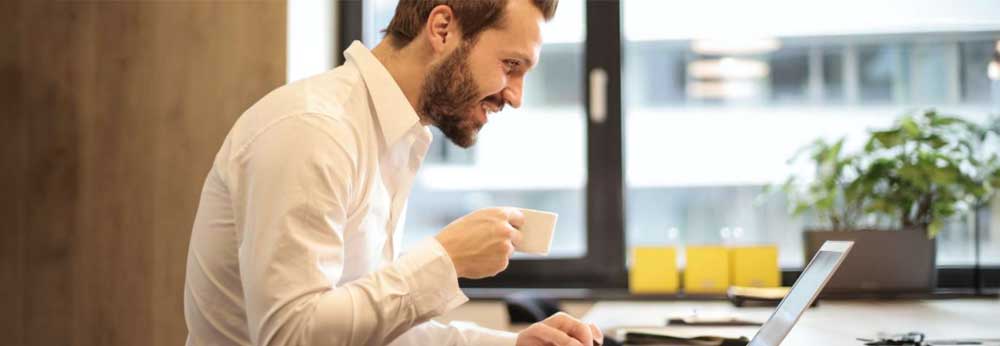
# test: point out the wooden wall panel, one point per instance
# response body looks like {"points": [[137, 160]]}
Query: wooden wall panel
{"points": [[49, 98], [13, 159], [117, 109]]}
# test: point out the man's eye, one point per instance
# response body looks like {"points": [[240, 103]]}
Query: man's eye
{"points": [[511, 64]]}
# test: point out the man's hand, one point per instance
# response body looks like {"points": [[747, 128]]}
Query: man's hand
{"points": [[560, 330], [480, 244]]}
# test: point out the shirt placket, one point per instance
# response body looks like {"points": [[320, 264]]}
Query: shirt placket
{"points": [[415, 145]]}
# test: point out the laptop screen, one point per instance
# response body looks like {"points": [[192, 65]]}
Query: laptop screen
{"points": [[806, 288]]}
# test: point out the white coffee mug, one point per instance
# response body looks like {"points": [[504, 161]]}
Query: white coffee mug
{"points": [[537, 231]]}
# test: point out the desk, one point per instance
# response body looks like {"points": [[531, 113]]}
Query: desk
{"points": [[832, 322]]}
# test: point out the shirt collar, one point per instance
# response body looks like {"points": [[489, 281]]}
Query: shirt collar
{"points": [[392, 109]]}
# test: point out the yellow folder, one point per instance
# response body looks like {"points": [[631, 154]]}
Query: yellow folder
{"points": [[654, 270], [707, 269], [755, 266]]}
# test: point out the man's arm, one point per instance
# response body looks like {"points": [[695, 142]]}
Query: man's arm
{"points": [[294, 185]]}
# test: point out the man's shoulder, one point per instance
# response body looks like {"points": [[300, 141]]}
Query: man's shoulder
{"points": [[328, 102], [330, 93]]}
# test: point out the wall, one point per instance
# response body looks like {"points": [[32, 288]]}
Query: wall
{"points": [[112, 113]]}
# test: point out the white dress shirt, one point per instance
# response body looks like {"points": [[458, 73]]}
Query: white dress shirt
{"points": [[299, 225]]}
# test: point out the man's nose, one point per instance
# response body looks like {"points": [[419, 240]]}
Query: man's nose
{"points": [[514, 91]]}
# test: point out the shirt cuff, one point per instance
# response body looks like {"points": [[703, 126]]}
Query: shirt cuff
{"points": [[479, 336], [432, 278], [497, 338]]}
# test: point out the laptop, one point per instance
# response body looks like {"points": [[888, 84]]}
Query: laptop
{"points": [[803, 293]]}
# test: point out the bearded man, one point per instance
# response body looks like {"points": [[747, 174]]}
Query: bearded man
{"points": [[297, 235]]}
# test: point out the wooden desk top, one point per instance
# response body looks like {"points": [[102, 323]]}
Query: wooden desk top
{"points": [[832, 322]]}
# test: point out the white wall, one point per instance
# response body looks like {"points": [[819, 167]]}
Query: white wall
{"points": [[660, 20], [311, 37]]}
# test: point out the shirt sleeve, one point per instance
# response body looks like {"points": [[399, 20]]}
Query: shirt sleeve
{"points": [[294, 185], [454, 334]]}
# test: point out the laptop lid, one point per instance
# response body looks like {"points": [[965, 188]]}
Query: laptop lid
{"points": [[803, 293]]}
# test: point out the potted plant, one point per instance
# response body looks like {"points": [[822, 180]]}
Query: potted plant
{"points": [[894, 196]]}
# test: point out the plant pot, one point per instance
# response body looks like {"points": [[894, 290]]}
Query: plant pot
{"points": [[881, 261]]}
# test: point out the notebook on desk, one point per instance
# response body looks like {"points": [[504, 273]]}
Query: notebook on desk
{"points": [[805, 290]]}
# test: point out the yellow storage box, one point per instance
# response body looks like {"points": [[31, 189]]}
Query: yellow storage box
{"points": [[707, 269], [654, 270], [754, 266]]}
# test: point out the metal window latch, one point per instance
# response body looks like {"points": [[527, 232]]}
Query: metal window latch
{"points": [[598, 95]]}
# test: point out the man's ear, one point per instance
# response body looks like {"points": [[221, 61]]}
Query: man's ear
{"points": [[442, 29]]}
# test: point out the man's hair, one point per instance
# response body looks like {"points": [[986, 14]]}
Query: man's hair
{"points": [[473, 16]]}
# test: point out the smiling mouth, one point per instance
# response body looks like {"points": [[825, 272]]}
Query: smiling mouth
{"points": [[491, 108], [490, 105]]}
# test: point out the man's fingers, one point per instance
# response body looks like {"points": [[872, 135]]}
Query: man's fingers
{"points": [[554, 336], [515, 217], [598, 335], [572, 326], [516, 237], [582, 333], [561, 321]]}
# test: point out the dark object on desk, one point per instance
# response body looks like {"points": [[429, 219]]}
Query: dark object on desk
{"points": [[528, 308], [759, 296], [638, 338], [608, 342], [908, 339], [889, 262], [740, 295]]}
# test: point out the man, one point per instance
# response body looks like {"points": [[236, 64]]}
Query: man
{"points": [[296, 237]]}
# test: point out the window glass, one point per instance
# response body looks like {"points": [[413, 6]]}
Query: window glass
{"points": [[712, 116]]}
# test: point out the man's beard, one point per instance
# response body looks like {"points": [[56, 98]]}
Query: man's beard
{"points": [[449, 95]]}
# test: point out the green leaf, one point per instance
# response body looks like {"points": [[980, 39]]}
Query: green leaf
{"points": [[944, 207], [945, 121], [833, 152], [935, 141], [800, 208], [967, 145], [944, 175], [887, 139], [881, 206], [910, 127], [911, 173], [934, 228], [825, 203], [976, 163]]}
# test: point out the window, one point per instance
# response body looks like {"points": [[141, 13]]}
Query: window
{"points": [[975, 56], [879, 69], [832, 67], [698, 161], [790, 75]]}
